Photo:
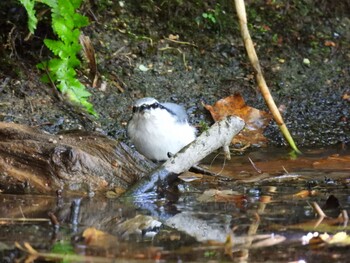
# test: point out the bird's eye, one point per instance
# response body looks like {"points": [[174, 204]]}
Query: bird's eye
{"points": [[134, 109]]}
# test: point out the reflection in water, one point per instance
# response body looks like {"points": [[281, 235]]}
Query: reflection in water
{"points": [[272, 208]]}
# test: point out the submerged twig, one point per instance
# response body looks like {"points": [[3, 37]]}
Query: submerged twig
{"points": [[24, 219], [318, 210], [320, 213], [254, 166], [345, 216]]}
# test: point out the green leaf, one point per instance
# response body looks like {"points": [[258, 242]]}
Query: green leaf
{"points": [[45, 78], [65, 9], [80, 20], [63, 247], [76, 3], [66, 23], [59, 68], [42, 65], [63, 28], [63, 87], [89, 107], [73, 61], [50, 3], [32, 20], [79, 91], [57, 47]]}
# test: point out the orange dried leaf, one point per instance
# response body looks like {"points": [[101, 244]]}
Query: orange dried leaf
{"points": [[329, 43], [255, 120], [95, 237], [346, 96]]}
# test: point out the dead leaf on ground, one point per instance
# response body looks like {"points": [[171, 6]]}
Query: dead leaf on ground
{"points": [[98, 238], [329, 43], [255, 120], [346, 96]]}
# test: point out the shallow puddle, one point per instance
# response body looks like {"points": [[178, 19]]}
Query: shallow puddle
{"points": [[259, 207]]}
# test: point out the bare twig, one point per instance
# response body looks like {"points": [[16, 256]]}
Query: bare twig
{"points": [[90, 55], [318, 210], [345, 216], [254, 166], [181, 42], [240, 8], [24, 219]]}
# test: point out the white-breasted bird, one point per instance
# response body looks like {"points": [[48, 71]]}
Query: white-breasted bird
{"points": [[159, 129]]}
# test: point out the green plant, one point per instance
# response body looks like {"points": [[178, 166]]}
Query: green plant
{"points": [[211, 17], [66, 24]]}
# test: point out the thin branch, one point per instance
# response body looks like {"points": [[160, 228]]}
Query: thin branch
{"points": [[180, 42], [253, 57]]}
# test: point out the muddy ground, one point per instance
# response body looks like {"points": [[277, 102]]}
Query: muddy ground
{"points": [[135, 59]]}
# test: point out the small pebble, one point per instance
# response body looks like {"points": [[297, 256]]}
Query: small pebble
{"points": [[306, 62]]}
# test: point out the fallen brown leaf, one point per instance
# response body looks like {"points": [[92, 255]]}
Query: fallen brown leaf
{"points": [[98, 238], [329, 43], [255, 120], [346, 96]]}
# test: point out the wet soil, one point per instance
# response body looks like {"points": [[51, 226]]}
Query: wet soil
{"points": [[137, 59]]}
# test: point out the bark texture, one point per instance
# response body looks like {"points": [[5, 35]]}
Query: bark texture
{"points": [[32, 161]]}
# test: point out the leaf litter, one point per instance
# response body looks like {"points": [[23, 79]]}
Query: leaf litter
{"points": [[256, 120]]}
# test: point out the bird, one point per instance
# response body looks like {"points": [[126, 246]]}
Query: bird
{"points": [[159, 130]]}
